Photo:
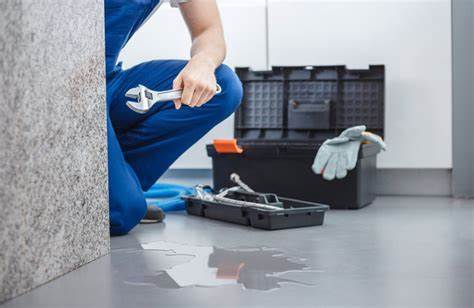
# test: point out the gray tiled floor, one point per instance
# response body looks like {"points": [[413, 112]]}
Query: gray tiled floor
{"points": [[400, 251]]}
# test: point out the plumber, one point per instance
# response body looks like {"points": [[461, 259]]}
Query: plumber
{"points": [[141, 147]]}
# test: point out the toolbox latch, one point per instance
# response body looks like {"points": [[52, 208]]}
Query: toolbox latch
{"points": [[227, 146]]}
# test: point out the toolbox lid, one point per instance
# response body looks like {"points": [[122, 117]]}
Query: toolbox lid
{"points": [[308, 103]]}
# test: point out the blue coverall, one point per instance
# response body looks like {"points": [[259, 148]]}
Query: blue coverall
{"points": [[141, 147]]}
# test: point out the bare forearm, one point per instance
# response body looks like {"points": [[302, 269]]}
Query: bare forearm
{"points": [[197, 79], [209, 46]]}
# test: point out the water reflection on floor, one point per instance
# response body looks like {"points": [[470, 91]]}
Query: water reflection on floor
{"points": [[173, 265]]}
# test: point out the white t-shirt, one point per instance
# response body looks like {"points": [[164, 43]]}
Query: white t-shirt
{"points": [[174, 3]]}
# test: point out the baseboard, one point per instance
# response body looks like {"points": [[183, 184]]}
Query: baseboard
{"points": [[415, 182], [419, 182]]}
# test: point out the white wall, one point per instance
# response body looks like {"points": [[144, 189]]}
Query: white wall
{"points": [[412, 38]]}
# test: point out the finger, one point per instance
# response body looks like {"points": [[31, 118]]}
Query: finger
{"points": [[211, 95], [187, 96], [177, 103], [199, 95], [337, 140], [330, 170], [207, 96], [177, 84], [345, 159], [341, 170], [352, 154], [354, 132], [321, 159]]}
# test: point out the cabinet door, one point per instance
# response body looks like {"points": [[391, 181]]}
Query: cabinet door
{"points": [[413, 40], [165, 36]]}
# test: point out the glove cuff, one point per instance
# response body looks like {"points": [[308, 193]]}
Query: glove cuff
{"points": [[373, 138]]}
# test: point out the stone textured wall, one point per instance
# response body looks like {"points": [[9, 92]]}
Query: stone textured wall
{"points": [[53, 155]]}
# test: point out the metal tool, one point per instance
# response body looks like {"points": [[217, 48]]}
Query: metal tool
{"points": [[146, 98], [203, 193], [234, 177], [246, 203]]}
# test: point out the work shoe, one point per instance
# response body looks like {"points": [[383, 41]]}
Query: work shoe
{"points": [[154, 214]]}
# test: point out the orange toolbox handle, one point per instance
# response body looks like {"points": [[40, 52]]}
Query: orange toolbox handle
{"points": [[227, 146]]}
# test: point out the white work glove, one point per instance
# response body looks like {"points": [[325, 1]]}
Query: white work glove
{"points": [[338, 155]]}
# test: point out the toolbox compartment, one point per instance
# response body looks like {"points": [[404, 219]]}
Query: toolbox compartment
{"points": [[294, 214], [286, 114]]}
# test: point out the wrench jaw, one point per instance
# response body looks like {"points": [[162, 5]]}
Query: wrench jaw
{"points": [[137, 107], [133, 93], [144, 99]]}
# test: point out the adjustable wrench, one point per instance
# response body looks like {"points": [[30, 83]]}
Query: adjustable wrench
{"points": [[146, 98]]}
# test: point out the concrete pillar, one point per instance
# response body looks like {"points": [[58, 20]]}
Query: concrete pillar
{"points": [[463, 98], [53, 154]]}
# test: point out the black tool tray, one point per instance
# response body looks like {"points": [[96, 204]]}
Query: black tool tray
{"points": [[293, 214]]}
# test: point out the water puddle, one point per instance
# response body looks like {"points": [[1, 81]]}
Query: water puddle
{"points": [[173, 265]]}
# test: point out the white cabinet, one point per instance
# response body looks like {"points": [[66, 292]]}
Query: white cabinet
{"points": [[413, 40], [165, 36]]}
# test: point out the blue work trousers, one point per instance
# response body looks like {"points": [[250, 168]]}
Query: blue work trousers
{"points": [[141, 147]]}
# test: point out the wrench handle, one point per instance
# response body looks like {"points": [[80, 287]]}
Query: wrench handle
{"points": [[176, 94]]}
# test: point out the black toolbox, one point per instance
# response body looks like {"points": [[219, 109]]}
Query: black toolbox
{"points": [[293, 213], [286, 114]]}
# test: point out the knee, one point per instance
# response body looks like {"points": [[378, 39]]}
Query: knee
{"points": [[232, 92], [125, 214]]}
